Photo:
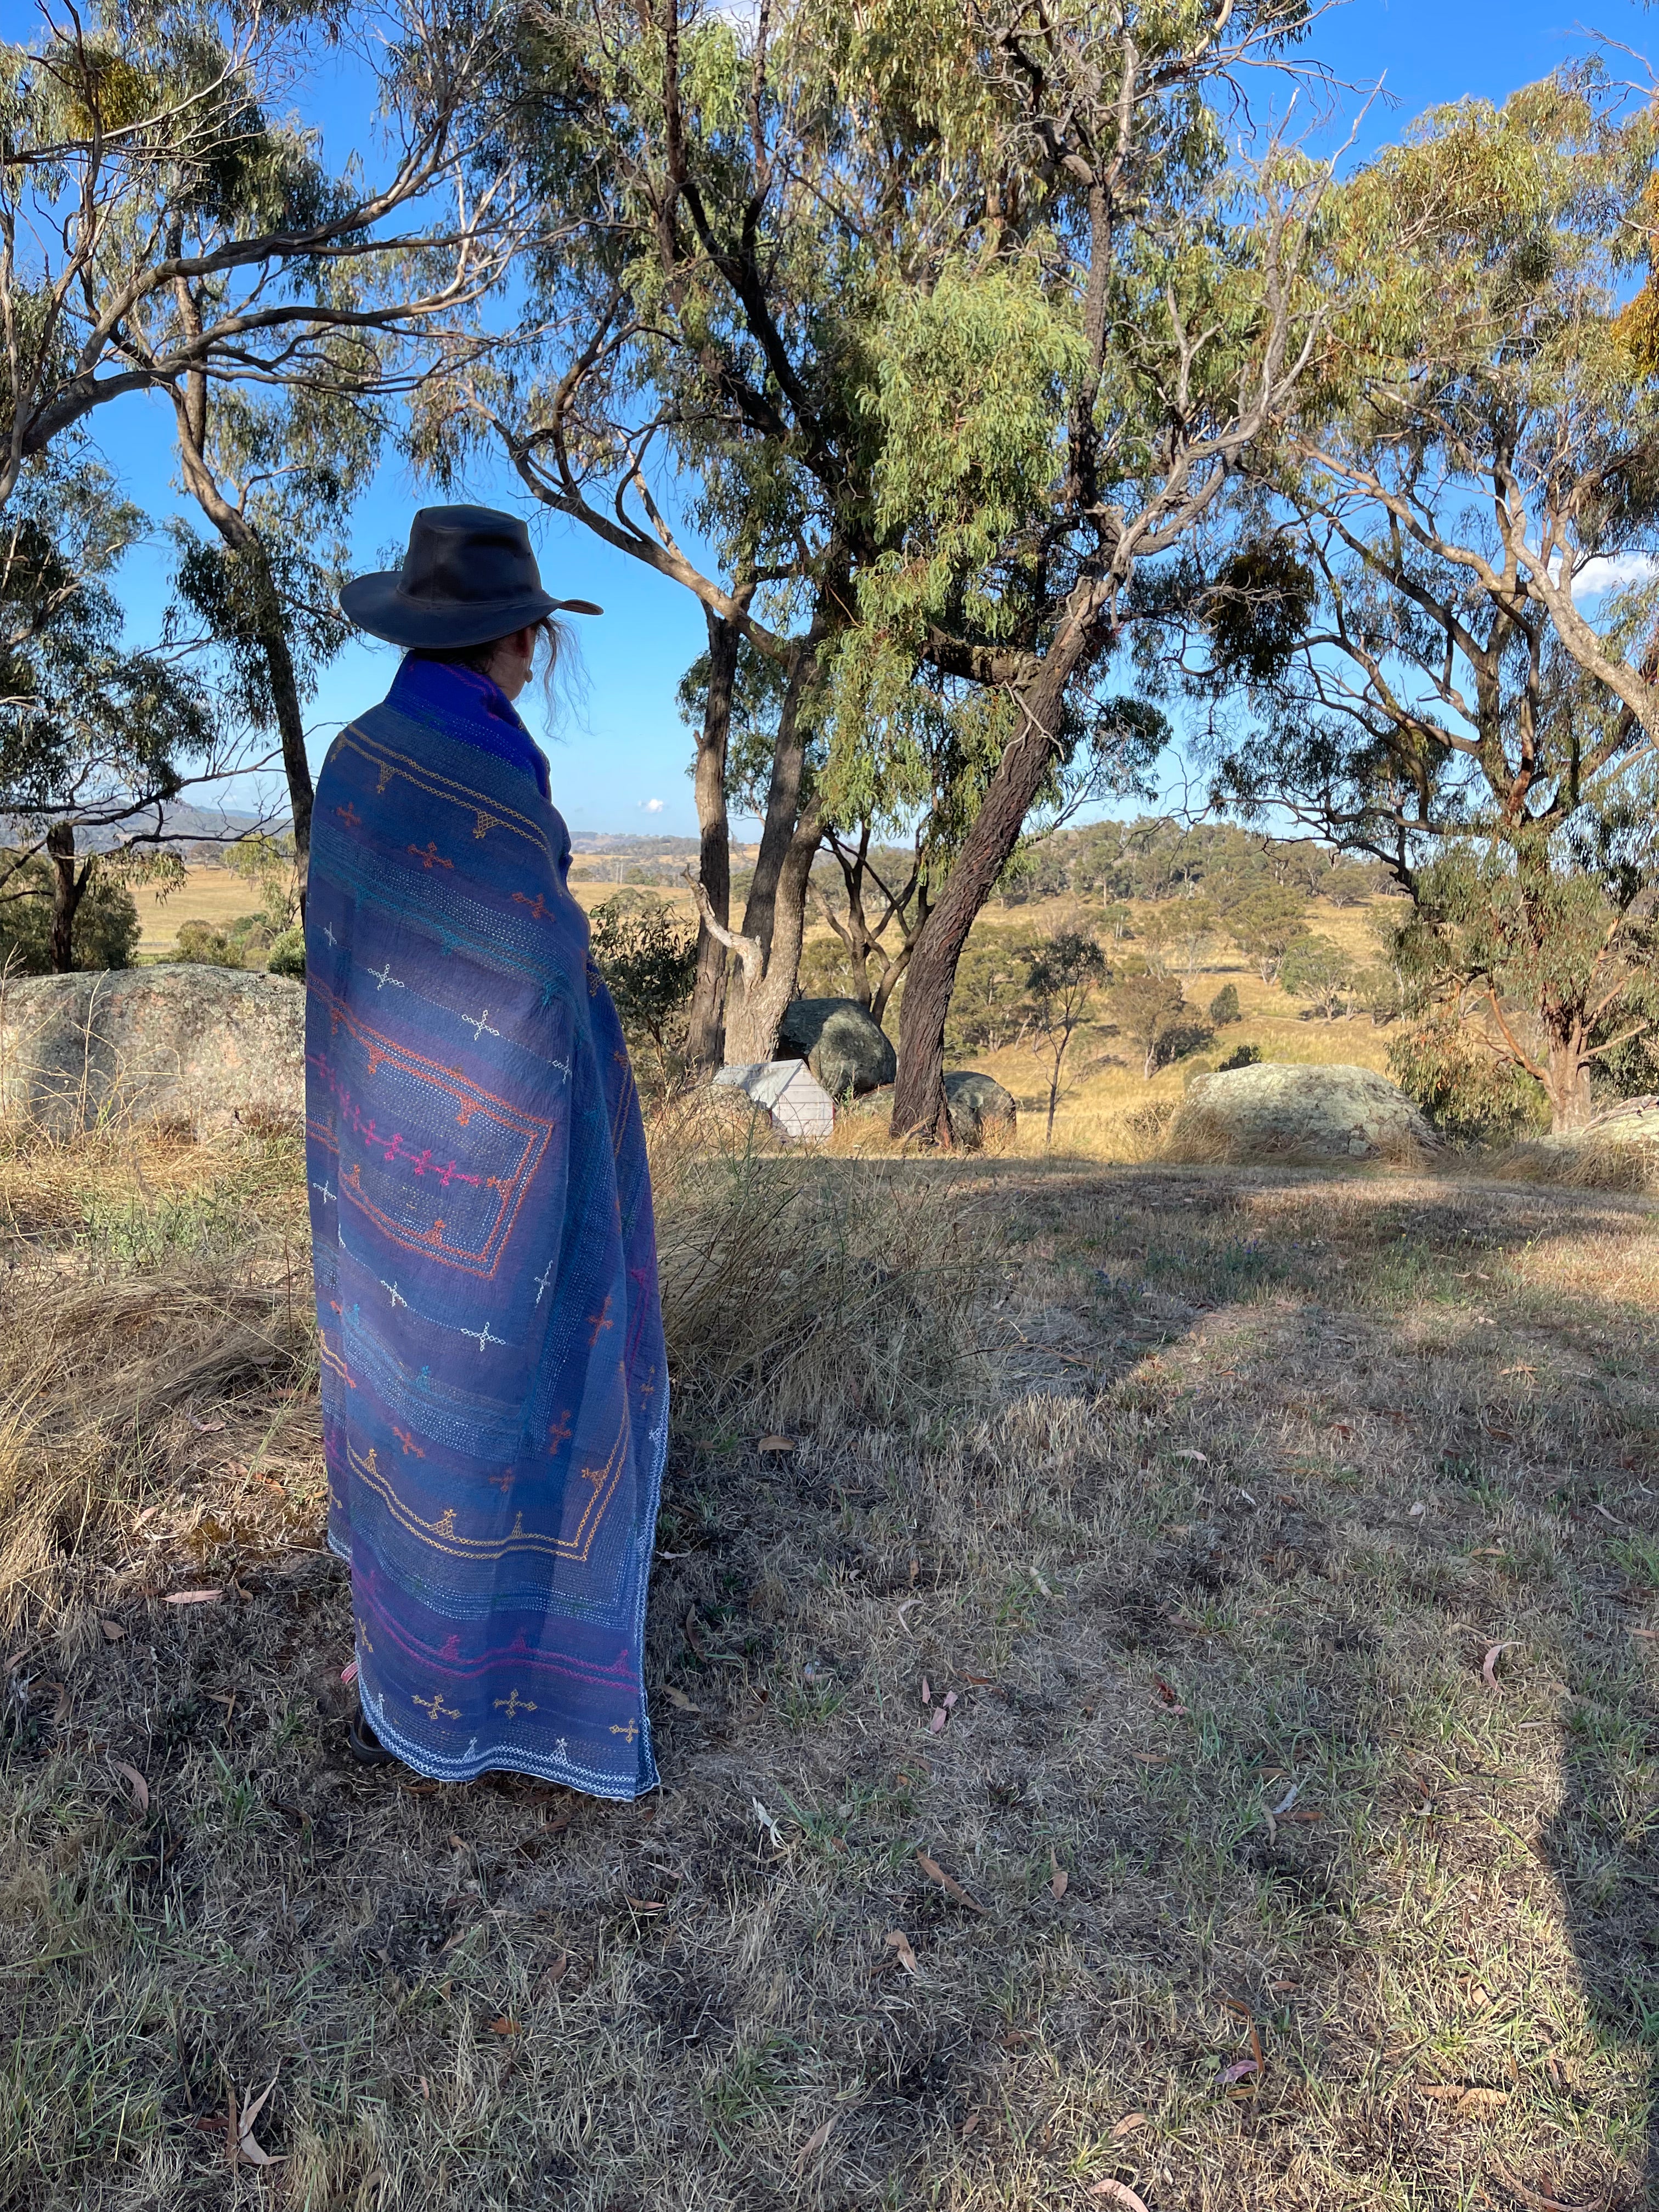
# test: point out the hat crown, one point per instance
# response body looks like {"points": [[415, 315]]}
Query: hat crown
{"points": [[468, 578], [467, 556]]}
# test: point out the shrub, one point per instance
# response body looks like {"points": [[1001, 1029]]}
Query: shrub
{"points": [[1223, 1007], [199, 944], [648, 959], [1318, 970], [1242, 1055], [287, 955], [1463, 1087]]}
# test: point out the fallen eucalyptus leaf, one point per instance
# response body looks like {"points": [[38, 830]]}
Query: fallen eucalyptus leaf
{"points": [[815, 2142], [896, 1940], [1489, 1664], [948, 1883], [138, 1787]]}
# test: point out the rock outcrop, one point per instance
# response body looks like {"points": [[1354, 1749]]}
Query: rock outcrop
{"points": [[1277, 1112], [206, 1047], [979, 1108], [801, 1108], [841, 1041]]}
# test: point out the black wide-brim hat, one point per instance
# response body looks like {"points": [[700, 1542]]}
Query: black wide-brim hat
{"points": [[468, 576]]}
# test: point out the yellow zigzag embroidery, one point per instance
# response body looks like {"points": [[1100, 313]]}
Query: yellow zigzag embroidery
{"points": [[443, 1537]]}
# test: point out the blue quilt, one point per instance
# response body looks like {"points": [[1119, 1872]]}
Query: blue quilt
{"points": [[493, 1388]]}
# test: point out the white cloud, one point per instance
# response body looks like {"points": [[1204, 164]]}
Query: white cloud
{"points": [[1616, 574], [652, 805]]}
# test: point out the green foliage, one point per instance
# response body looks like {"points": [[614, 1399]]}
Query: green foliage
{"points": [[989, 1006], [1467, 1089], [89, 730], [287, 955], [1483, 428], [1223, 1007], [107, 928], [1152, 1012], [1256, 610], [266, 865], [1242, 1055], [1318, 969], [262, 593], [825, 971], [648, 959], [200, 944], [1543, 956], [973, 383], [1061, 976], [1264, 923]]}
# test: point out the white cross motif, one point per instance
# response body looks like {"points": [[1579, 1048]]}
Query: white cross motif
{"points": [[325, 1190], [398, 1297], [383, 976], [543, 1280], [483, 1336], [560, 1067], [563, 1749], [480, 1025], [332, 940]]}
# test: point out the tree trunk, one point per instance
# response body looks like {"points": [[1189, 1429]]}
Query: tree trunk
{"points": [[1568, 1085], [767, 979], [706, 1041], [67, 887], [290, 722], [783, 796], [775, 920], [270, 627], [919, 1107]]}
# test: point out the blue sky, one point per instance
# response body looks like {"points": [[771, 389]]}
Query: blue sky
{"points": [[620, 763]]}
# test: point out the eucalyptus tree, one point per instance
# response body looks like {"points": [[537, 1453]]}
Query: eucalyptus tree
{"points": [[166, 228], [1446, 625], [1070, 403], [949, 319], [95, 737], [276, 479]]}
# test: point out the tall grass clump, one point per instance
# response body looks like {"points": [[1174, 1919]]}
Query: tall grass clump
{"points": [[131, 1297], [800, 1288]]}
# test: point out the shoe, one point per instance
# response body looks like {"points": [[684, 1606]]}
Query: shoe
{"points": [[364, 1745]]}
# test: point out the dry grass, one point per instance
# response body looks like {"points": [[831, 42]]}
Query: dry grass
{"points": [[1194, 1488], [216, 896], [1107, 1099], [1584, 1165]]}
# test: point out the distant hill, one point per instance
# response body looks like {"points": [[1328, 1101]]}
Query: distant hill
{"points": [[634, 848], [186, 829], [195, 831]]}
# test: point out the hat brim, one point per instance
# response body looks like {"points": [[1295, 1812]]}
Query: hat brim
{"points": [[377, 604]]}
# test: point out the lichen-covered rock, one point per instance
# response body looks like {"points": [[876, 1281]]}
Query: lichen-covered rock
{"points": [[1277, 1112], [1632, 1122], [209, 1047], [841, 1041], [978, 1106]]}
